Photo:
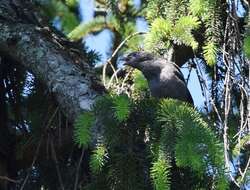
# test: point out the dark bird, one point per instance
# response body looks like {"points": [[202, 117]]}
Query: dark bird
{"points": [[164, 77]]}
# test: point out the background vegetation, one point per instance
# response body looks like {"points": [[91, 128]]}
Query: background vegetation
{"points": [[143, 143]]}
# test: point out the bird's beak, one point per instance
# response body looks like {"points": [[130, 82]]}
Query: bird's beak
{"points": [[126, 61]]}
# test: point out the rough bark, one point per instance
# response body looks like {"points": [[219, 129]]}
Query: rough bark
{"points": [[55, 64], [53, 60]]}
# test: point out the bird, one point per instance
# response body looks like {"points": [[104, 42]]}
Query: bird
{"points": [[164, 77]]}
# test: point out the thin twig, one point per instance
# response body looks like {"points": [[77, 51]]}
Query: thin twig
{"points": [[114, 54], [203, 85], [126, 77], [37, 150], [57, 164], [245, 171], [227, 101], [33, 163], [189, 73], [225, 135], [78, 169], [112, 78], [9, 179]]}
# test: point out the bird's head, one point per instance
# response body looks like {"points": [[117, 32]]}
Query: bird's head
{"points": [[137, 59], [145, 62]]}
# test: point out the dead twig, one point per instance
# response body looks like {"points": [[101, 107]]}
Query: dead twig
{"points": [[78, 169], [114, 54], [57, 164], [38, 150], [9, 179]]}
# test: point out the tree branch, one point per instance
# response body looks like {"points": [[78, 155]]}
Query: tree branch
{"points": [[52, 63]]}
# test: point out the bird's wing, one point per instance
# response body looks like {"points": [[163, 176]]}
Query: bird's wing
{"points": [[178, 72], [174, 76], [170, 69]]}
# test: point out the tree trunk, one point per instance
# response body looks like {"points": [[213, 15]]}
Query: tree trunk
{"points": [[51, 59]]}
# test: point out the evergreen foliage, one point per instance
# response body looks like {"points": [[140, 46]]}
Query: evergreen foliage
{"points": [[246, 42], [140, 82], [98, 159], [160, 173], [196, 145], [82, 132], [58, 9], [96, 25], [163, 32], [209, 51], [144, 143], [247, 46], [177, 22], [119, 17], [146, 146], [159, 34], [71, 3], [241, 146], [121, 108]]}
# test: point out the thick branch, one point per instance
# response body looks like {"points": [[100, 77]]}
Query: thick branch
{"points": [[53, 64]]}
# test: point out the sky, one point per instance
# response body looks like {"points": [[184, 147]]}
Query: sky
{"points": [[101, 44]]}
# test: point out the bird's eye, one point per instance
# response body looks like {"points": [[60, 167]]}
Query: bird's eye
{"points": [[134, 53]]}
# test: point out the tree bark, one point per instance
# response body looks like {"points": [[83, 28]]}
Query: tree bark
{"points": [[53, 60], [64, 72]]}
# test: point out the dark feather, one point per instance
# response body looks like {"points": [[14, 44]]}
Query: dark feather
{"points": [[164, 77]]}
